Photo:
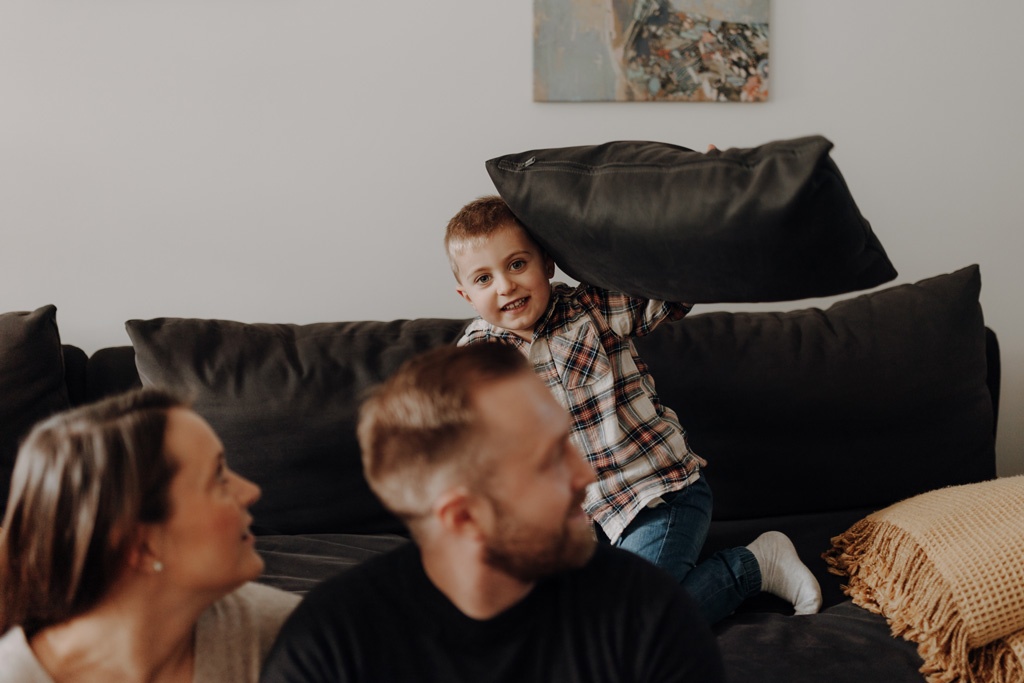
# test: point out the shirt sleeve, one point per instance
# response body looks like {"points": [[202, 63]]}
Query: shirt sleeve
{"points": [[475, 332], [630, 316]]}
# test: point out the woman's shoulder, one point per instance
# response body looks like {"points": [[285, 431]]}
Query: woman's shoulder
{"points": [[235, 633], [252, 606], [262, 598], [17, 662]]}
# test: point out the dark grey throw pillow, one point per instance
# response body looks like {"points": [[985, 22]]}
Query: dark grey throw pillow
{"points": [[32, 383], [769, 223], [284, 400], [870, 401]]}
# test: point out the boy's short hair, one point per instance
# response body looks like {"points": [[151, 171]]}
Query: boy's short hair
{"points": [[478, 220], [417, 430]]}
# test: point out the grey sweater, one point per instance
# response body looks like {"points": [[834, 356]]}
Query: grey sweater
{"points": [[233, 637]]}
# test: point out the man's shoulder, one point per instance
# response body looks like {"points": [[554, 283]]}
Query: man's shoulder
{"points": [[401, 559], [365, 582], [629, 604], [640, 586], [609, 560], [344, 616], [635, 579]]}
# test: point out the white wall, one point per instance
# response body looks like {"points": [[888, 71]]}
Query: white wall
{"points": [[296, 161]]}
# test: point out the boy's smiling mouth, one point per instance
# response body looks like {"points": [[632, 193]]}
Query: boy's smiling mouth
{"points": [[515, 305]]}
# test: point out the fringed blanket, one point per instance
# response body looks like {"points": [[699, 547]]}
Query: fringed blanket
{"points": [[946, 568]]}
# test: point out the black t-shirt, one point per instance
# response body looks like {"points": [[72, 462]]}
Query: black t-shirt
{"points": [[618, 619]]}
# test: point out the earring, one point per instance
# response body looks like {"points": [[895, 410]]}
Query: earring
{"points": [[158, 566]]}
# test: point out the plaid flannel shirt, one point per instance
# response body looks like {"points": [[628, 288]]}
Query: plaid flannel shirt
{"points": [[583, 349]]}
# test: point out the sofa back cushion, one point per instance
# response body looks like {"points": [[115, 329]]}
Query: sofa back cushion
{"points": [[31, 381], [284, 399], [874, 399], [877, 398]]}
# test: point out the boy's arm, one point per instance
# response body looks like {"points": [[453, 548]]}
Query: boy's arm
{"points": [[657, 312], [631, 316]]}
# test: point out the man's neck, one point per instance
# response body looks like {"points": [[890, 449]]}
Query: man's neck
{"points": [[478, 590]]}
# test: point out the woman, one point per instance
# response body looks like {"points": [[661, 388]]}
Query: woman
{"points": [[126, 552]]}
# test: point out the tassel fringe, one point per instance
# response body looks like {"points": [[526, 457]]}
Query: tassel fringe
{"points": [[891, 575]]}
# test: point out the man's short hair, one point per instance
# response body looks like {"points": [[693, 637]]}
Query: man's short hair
{"points": [[417, 429], [476, 221]]}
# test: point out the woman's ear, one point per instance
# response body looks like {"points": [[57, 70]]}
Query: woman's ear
{"points": [[144, 554]]}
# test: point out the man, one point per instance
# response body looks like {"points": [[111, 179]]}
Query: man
{"points": [[504, 580]]}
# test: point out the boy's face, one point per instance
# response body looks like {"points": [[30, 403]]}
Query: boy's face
{"points": [[506, 277]]}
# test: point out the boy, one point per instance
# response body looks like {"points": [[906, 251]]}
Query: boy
{"points": [[650, 497]]}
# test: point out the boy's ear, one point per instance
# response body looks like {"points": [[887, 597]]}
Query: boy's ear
{"points": [[549, 266], [461, 292]]}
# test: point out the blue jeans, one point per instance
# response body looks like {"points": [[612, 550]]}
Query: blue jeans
{"points": [[672, 535]]}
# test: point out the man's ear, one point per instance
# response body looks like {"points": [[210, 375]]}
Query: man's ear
{"points": [[459, 513]]}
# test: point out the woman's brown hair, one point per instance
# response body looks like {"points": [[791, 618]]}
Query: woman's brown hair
{"points": [[82, 483]]}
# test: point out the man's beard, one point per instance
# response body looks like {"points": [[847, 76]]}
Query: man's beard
{"points": [[528, 553]]}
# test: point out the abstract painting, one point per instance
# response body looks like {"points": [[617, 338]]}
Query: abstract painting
{"points": [[650, 50]]}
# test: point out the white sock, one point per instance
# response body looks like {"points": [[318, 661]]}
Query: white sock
{"points": [[783, 574]]}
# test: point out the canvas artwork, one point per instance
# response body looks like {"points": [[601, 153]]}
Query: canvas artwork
{"points": [[644, 50]]}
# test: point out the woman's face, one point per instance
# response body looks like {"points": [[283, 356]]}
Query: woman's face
{"points": [[205, 544]]}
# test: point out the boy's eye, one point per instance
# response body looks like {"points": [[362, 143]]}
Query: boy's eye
{"points": [[483, 279], [518, 264]]}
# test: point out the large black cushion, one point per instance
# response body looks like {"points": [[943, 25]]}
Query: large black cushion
{"points": [[283, 399], [31, 381], [875, 399], [770, 223]]}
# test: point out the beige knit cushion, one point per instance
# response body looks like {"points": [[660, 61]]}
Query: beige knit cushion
{"points": [[946, 568]]}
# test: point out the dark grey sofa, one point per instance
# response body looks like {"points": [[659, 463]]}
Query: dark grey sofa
{"points": [[810, 420]]}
